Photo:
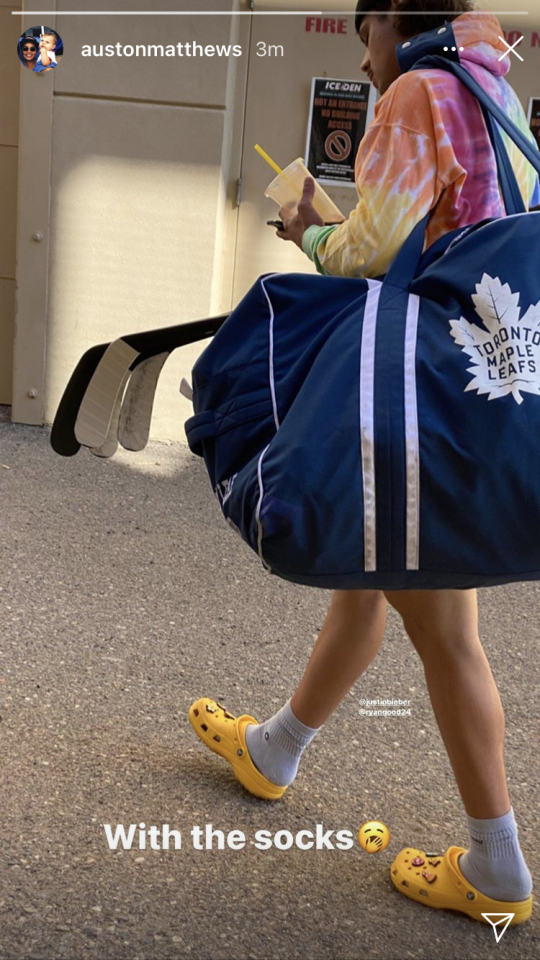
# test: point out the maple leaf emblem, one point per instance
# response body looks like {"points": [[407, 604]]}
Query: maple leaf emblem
{"points": [[506, 354]]}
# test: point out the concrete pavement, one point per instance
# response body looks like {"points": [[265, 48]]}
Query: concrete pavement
{"points": [[123, 598]]}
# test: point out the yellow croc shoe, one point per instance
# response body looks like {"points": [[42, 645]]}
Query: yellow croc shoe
{"points": [[436, 881], [226, 736]]}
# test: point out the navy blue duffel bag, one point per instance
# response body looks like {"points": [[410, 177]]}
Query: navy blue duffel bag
{"points": [[367, 434]]}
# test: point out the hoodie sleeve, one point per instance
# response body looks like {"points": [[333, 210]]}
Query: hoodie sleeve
{"points": [[398, 182], [399, 178]]}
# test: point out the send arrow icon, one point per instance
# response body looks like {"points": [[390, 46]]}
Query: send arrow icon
{"points": [[501, 918]]}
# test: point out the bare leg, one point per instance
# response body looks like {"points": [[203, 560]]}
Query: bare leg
{"points": [[443, 626], [349, 640]]}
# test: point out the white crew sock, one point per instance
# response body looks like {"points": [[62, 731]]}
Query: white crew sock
{"points": [[276, 745], [494, 864]]}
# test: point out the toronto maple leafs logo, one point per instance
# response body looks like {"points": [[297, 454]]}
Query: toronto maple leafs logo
{"points": [[506, 355]]}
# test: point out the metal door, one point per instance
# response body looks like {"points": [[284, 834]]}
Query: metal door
{"points": [[286, 51]]}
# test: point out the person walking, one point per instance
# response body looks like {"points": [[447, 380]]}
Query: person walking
{"points": [[426, 151]]}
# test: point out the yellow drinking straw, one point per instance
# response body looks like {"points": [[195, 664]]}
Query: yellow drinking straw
{"points": [[270, 162], [278, 170], [281, 173]]}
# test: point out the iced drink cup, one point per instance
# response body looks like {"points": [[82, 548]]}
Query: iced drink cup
{"points": [[287, 189]]}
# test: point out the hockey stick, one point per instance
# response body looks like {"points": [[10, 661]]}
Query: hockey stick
{"points": [[103, 394], [63, 440], [88, 404], [109, 448], [128, 353], [136, 412]]}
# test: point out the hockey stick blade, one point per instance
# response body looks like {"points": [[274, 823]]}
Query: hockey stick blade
{"points": [[98, 404], [63, 439], [136, 413], [109, 448]]}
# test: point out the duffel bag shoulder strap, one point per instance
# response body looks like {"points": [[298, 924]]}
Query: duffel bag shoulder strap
{"points": [[513, 199], [406, 263]]}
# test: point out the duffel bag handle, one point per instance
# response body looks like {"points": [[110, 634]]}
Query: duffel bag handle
{"points": [[404, 267]]}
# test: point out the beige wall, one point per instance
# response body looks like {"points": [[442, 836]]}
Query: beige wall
{"points": [[143, 175], [9, 138], [128, 169]]}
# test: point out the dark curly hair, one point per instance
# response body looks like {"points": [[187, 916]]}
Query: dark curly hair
{"points": [[413, 16]]}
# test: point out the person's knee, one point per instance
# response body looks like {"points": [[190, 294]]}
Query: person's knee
{"points": [[360, 600], [359, 609], [438, 623]]}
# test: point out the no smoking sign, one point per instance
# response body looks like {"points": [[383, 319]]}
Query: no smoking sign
{"points": [[338, 146]]}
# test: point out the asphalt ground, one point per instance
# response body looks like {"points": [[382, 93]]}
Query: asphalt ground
{"points": [[124, 597]]}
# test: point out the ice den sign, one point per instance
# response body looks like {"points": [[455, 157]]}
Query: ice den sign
{"points": [[340, 111]]}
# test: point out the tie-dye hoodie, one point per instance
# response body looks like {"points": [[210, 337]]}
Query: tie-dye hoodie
{"points": [[427, 149]]}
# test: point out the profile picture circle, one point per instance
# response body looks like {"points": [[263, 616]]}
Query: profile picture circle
{"points": [[40, 49]]}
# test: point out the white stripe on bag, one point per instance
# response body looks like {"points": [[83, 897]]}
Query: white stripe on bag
{"points": [[412, 446], [367, 429], [258, 510], [271, 352]]}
